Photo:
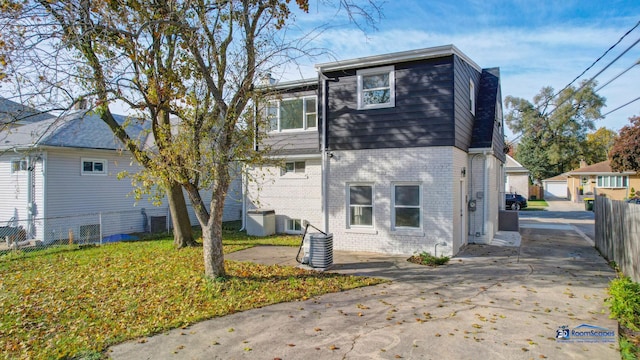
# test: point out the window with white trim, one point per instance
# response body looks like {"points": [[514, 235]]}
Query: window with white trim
{"points": [[472, 97], [360, 205], [376, 88], [407, 206], [93, 166], [293, 114], [612, 181], [294, 167], [294, 226], [18, 165]]}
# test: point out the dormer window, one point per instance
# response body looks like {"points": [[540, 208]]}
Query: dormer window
{"points": [[293, 114], [376, 88]]}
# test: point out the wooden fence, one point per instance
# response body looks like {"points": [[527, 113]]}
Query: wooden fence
{"points": [[617, 228], [536, 192]]}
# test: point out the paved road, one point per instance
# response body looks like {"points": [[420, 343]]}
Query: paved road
{"points": [[489, 302]]}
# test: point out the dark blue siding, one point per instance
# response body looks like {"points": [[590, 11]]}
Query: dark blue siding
{"points": [[423, 114], [463, 117]]}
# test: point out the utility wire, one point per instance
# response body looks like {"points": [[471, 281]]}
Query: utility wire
{"points": [[597, 60], [511, 142], [621, 106], [617, 76], [596, 75]]}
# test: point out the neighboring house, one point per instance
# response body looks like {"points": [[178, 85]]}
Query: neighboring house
{"points": [[556, 186], [56, 174], [599, 179], [517, 178], [14, 114], [397, 153]]}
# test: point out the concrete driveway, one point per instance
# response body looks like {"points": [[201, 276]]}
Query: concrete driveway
{"points": [[490, 302]]}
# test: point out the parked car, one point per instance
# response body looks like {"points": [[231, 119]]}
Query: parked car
{"points": [[515, 201]]}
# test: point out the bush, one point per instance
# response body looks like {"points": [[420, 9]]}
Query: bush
{"points": [[624, 302], [425, 258]]}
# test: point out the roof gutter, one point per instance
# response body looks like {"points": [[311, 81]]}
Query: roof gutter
{"points": [[398, 57]]}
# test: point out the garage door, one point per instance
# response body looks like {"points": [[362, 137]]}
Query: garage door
{"points": [[557, 189]]}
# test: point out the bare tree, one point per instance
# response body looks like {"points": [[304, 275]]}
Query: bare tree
{"points": [[190, 67]]}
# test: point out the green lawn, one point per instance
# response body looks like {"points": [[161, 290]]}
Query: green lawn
{"points": [[534, 205], [76, 302]]}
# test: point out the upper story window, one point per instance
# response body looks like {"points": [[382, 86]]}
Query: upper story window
{"points": [[407, 206], [472, 97], [93, 166], [292, 114], [612, 181], [18, 165], [376, 88]]}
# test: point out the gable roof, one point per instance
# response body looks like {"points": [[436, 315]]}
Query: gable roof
{"points": [[13, 112], [561, 177], [512, 166], [81, 129], [601, 168]]}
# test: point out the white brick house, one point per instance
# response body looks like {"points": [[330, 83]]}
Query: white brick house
{"points": [[398, 153]]}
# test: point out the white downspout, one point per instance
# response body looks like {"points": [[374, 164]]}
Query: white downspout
{"points": [[325, 188], [485, 188], [245, 185]]}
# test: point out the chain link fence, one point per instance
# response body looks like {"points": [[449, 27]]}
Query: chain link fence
{"points": [[93, 228]]}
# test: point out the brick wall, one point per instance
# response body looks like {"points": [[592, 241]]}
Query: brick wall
{"points": [[432, 167]]}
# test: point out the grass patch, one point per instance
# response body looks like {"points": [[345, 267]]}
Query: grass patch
{"points": [[535, 205], [425, 258], [77, 302]]}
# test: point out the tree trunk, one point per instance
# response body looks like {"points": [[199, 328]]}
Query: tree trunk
{"points": [[182, 235], [212, 239]]}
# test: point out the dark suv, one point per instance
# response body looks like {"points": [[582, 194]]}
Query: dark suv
{"points": [[515, 202]]}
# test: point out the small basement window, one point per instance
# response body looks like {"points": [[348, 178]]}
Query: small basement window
{"points": [[294, 226], [294, 167], [93, 167]]}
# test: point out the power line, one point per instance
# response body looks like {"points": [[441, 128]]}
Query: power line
{"points": [[597, 60], [617, 76], [621, 106], [590, 80]]}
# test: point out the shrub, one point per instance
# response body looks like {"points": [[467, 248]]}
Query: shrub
{"points": [[425, 258], [624, 302]]}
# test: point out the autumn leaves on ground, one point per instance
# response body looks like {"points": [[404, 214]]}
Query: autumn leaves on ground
{"points": [[76, 302]]}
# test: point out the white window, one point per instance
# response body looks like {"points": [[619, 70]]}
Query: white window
{"points": [[294, 226], [18, 165], [472, 97], [93, 166], [612, 181], [360, 205], [376, 88], [407, 206], [293, 167], [292, 114]]}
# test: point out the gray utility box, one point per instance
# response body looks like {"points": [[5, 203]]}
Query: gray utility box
{"points": [[261, 222], [320, 250]]}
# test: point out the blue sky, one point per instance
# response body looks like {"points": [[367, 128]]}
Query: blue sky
{"points": [[535, 43]]}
